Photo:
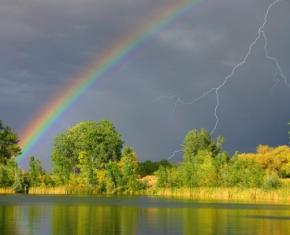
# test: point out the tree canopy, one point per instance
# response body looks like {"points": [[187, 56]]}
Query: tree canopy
{"points": [[198, 140], [9, 147], [98, 141], [274, 160]]}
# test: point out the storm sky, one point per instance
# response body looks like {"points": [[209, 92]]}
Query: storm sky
{"points": [[45, 44]]}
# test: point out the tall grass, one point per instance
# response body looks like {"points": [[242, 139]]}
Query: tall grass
{"points": [[6, 191], [62, 190], [240, 194], [281, 194]]}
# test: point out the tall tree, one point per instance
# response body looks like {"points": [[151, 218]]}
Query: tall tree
{"points": [[9, 147], [197, 140], [98, 141], [129, 167]]}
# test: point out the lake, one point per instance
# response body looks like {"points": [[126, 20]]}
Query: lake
{"points": [[41, 215]]}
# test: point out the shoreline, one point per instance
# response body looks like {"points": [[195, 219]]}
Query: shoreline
{"points": [[281, 195]]}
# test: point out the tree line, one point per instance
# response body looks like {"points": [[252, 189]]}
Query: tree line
{"points": [[92, 156]]}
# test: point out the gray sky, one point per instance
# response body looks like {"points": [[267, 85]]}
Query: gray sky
{"points": [[44, 44]]}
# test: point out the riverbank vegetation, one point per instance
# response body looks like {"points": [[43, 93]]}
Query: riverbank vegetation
{"points": [[91, 158]]}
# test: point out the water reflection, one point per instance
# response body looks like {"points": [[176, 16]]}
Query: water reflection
{"points": [[88, 215], [86, 219]]}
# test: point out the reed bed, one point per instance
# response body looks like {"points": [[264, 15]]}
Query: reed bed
{"points": [[278, 195], [281, 195], [62, 190], [6, 191]]}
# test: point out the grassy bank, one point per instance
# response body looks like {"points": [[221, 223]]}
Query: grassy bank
{"points": [[281, 195]]}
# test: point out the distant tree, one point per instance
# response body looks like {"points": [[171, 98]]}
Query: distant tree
{"points": [[98, 141], [9, 147], [149, 167], [197, 140], [35, 172]]}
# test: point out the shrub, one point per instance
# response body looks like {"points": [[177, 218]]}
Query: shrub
{"points": [[21, 184], [242, 173], [271, 181]]}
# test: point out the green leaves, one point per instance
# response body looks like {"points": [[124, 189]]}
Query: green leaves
{"points": [[35, 172], [197, 140], [98, 141], [8, 144]]}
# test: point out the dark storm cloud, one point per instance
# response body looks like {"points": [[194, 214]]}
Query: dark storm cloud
{"points": [[43, 44]]}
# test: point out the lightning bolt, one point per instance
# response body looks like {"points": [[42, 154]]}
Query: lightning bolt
{"points": [[274, 60], [216, 90], [174, 153]]}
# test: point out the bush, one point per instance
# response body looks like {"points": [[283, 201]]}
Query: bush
{"points": [[163, 177], [271, 181], [170, 177], [21, 184], [149, 167], [242, 173]]}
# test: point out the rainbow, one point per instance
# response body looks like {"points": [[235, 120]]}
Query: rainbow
{"points": [[109, 61]]}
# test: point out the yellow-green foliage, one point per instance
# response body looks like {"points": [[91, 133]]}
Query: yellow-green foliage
{"points": [[271, 159]]}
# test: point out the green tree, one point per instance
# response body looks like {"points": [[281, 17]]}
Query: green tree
{"points": [[242, 173], [188, 170], [197, 140], [21, 182], [201, 171], [99, 141], [205, 171], [149, 167], [114, 180], [220, 162], [9, 147], [86, 169], [129, 167], [35, 172], [8, 173], [202, 158], [163, 179]]}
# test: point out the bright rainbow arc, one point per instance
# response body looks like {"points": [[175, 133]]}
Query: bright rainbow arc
{"points": [[111, 59]]}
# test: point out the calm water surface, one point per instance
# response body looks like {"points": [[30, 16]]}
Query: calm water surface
{"points": [[29, 215]]}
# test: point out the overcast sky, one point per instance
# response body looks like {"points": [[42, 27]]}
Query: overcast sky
{"points": [[44, 44]]}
